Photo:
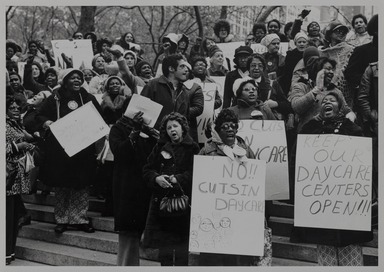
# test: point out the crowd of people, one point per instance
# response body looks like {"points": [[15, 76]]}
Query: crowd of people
{"points": [[326, 83]]}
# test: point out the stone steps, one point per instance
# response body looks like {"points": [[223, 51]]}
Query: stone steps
{"points": [[104, 242]]}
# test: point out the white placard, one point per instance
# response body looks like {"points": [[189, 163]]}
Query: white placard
{"points": [[220, 88], [80, 51], [268, 141], [79, 129], [228, 205], [150, 109], [209, 91], [333, 182]]}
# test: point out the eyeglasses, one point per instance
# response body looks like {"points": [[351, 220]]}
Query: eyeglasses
{"points": [[226, 126]]}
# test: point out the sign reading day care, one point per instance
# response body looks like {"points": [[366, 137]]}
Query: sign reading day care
{"points": [[80, 51], [228, 205], [79, 129], [209, 91], [268, 141], [333, 182]]}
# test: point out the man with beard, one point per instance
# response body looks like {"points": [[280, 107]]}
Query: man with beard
{"points": [[168, 89]]}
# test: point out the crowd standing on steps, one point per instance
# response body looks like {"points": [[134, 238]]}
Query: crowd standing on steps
{"points": [[325, 83]]}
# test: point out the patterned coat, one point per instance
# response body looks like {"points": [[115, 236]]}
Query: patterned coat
{"points": [[19, 180]]}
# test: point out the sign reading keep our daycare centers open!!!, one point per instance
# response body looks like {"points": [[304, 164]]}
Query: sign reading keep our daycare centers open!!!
{"points": [[333, 182], [228, 202]]}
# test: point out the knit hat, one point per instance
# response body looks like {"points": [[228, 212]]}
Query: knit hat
{"points": [[243, 50], [140, 64], [309, 53], [130, 52], [64, 74], [268, 39], [332, 26], [50, 70], [106, 82], [213, 49], [300, 35]]}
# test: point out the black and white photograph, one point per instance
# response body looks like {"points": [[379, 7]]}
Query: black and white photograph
{"points": [[179, 136]]}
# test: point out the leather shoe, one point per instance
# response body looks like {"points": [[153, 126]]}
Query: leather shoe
{"points": [[86, 228], [60, 228]]}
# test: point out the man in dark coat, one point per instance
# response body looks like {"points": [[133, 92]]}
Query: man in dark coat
{"points": [[168, 90]]}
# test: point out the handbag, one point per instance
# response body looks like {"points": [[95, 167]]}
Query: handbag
{"points": [[175, 204], [27, 162]]}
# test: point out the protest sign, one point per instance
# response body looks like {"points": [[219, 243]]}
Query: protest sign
{"points": [[268, 141], [220, 81], [80, 51], [229, 52], [79, 129], [151, 110], [209, 91], [228, 205], [333, 182]]}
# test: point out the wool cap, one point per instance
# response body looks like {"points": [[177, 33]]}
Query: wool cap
{"points": [[213, 49], [140, 64], [310, 52], [268, 39], [300, 35]]}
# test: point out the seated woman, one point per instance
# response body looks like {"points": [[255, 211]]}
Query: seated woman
{"points": [[225, 142], [169, 168], [335, 247]]}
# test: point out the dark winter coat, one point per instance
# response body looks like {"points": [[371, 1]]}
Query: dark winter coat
{"points": [[58, 169], [196, 107], [131, 196], [243, 110], [274, 63], [291, 60], [160, 90], [332, 237], [229, 95], [166, 231], [211, 149]]}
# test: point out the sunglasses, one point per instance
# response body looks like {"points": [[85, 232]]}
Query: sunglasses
{"points": [[226, 126]]}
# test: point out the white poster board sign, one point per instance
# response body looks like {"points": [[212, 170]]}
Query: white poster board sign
{"points": [[229, 52], [333, 182], [268, 141], [209, 91], [79, 129], [220, 81], [228, 204], [80, 51], [151, 110]]}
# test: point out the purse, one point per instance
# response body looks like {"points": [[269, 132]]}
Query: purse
{"points": [[174, 205], [27, 162]]}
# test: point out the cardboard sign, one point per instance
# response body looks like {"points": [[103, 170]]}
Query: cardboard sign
{"points": [[220, 88], [79, 129], [209, 91], [80, 51], [150, 109], [333, 182], [228, 204], [268, 141], [229, 52]]}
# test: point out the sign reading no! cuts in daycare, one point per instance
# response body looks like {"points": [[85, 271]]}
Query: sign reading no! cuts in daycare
{"points": [[333, 182], [228, 203]]}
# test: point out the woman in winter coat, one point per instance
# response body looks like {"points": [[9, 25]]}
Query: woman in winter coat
{"points": [[248, 105], [18, 183], [335, 247], [130, 195], [274, 60], [70, 176], [306, 95], [169, 168], [97, 82], [223, 141]]}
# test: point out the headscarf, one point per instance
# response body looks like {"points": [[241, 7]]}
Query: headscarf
{"points": [[267, 40]]}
